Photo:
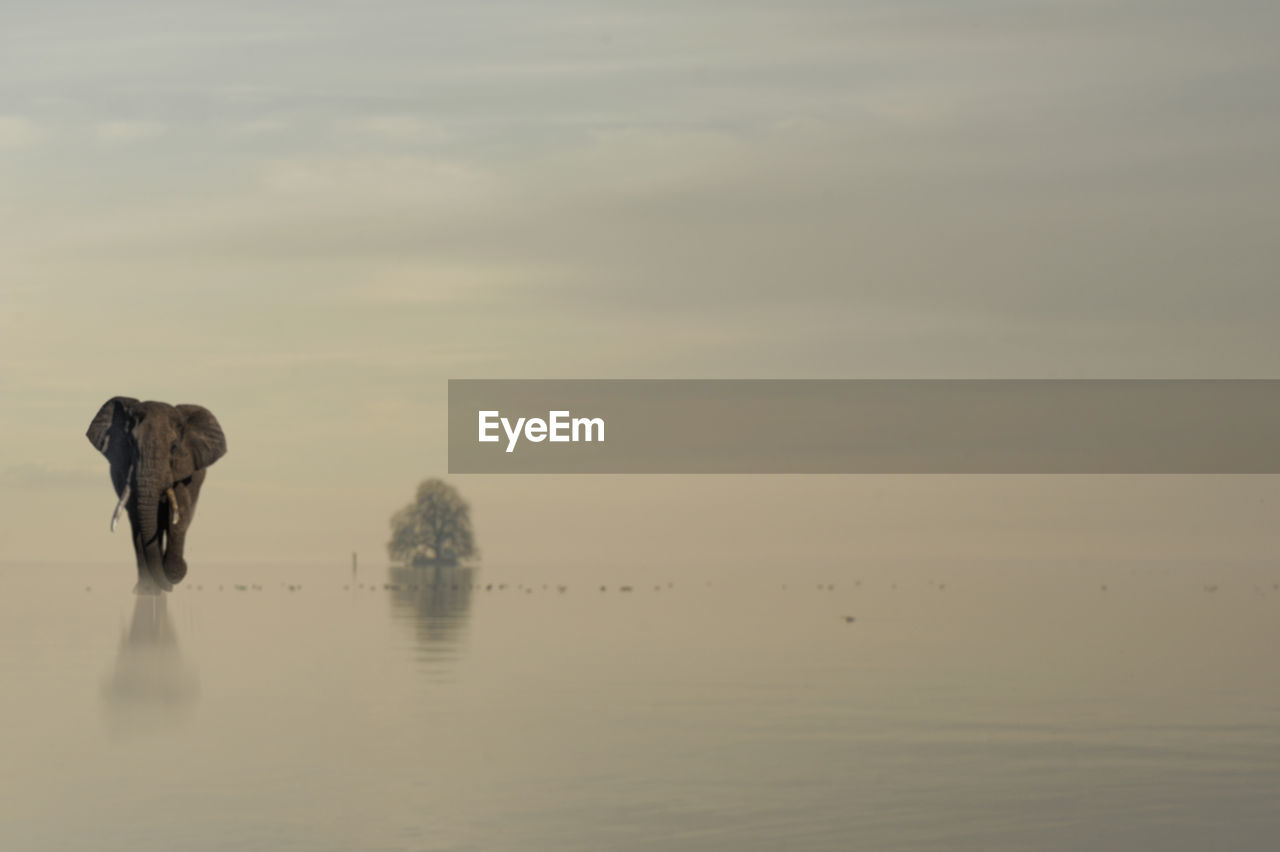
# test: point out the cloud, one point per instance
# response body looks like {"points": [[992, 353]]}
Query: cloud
{"points": [[35, 475], [411, 282], [256, 127], [128, 131], [401, 129], [18, 132]]}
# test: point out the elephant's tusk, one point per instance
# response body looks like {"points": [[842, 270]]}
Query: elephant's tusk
{"points": [[174, 517], [124, 498]]}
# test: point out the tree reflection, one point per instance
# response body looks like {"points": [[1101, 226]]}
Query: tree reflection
{"points": [[438, 601], [151, 686]]}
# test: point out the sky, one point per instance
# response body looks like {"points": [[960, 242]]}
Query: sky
{"points": [[309, 217]]}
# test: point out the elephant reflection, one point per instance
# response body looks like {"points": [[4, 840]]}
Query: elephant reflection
{"points": [[437, 599], [151, 684]]}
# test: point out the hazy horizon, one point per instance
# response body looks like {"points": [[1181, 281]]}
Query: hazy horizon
{"points": [[308, 223]]}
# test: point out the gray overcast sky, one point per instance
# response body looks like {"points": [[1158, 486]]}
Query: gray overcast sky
{"points": [[307, 217]]}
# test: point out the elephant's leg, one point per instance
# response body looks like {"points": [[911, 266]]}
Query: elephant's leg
{"points": [[151, 578], [147, 584], [143, 577], [175, 565]]}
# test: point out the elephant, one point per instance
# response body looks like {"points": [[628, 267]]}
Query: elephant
{"points": [[159, 455]]}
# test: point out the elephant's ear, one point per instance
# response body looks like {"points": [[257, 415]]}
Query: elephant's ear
{"points": [[111, 420], [202, 435]]}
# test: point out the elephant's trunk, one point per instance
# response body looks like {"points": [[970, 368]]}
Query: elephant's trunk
{"points": [[151, 486], [148, 506]]}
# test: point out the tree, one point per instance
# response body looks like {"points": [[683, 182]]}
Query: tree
{"points": [[435, 529]]}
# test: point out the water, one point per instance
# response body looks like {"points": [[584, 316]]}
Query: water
{"points": [[1015, 708]]}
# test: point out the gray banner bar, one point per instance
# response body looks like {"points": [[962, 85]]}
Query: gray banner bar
{"points": [[865, 426]]}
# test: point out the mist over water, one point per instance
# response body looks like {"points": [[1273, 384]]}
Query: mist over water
{"points": [[1120, 706]]}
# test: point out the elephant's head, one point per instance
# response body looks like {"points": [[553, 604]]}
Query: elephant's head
{"points": [[155, 448]]}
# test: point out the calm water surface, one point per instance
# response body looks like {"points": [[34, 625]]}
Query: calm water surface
{"points": [[974, 709]]}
